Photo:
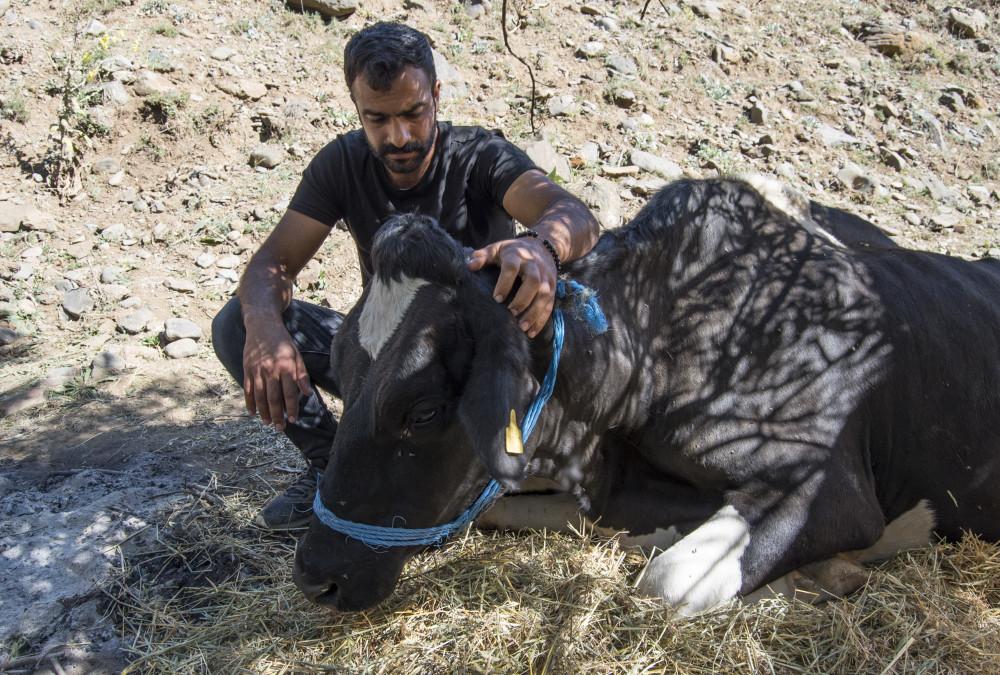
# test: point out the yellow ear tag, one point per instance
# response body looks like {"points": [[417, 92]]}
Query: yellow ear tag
{"points": [[514, 444]]}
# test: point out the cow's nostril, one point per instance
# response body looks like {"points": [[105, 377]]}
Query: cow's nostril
{"points": [[327, 598]]}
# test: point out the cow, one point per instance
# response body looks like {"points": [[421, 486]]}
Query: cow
{"points": [[778, 381]]}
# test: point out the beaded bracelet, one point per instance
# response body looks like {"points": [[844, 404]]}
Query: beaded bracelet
{"points": [[548, 246]]}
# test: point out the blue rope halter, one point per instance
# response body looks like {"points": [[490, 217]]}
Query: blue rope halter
{"points": [[584, 306]]}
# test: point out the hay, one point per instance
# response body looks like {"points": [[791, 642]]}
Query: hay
{"points": [[217, 597]]}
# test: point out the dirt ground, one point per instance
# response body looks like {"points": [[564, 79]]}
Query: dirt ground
{"points": [[106, 436]]}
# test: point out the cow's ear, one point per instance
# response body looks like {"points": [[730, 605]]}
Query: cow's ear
{"points": [[499, 381]]}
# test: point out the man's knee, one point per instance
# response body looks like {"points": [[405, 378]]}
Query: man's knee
{"points": [[229, 337]]}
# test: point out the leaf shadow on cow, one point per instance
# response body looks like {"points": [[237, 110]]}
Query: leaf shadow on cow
{"points": [[774, 388]]}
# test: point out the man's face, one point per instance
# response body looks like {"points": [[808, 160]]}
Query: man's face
{"points": [[400, 123]]}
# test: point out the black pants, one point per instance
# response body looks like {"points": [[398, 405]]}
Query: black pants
{"points": [[312, 329]]}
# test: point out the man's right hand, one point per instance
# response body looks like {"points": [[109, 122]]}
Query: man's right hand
{"points": [[273, 375]]}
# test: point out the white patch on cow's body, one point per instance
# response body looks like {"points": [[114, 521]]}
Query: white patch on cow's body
{"points": [[384, 310], [702, 570], [789, 201]]}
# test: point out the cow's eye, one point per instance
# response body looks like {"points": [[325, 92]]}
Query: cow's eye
{"points": [[422, 415]]}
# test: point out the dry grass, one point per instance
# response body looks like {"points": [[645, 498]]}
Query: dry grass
{"points": [[218, 598]]}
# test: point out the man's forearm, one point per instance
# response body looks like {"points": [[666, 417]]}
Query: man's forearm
{"points": [[265, 290], [570, 226]]}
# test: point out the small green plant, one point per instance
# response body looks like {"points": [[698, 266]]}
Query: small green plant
{"points": [[164, 30], [15, 108], [154, 7], [240, 26], [715, 89], [209, 118], [148, 146], [163, 107], [343, 118]]}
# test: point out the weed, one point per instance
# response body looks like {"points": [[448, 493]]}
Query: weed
{"points": [[165, 30], [715, 89], [240, 26], [147, 145], [163, 107], [14, 108], [343, 118], [154, 7], [209, 118]]}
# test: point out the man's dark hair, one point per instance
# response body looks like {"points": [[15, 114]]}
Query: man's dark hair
{"points": [[381, 51]]}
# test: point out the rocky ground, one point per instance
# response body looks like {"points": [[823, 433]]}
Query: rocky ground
{"points": [[150, 145]]}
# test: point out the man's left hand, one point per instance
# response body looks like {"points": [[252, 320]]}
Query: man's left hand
{"points": [[528, 259]]}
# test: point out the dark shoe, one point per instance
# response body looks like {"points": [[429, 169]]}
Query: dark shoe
{"points": [[293, 507]]}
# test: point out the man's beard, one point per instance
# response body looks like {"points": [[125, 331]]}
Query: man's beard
{"points": [[386, 154]]}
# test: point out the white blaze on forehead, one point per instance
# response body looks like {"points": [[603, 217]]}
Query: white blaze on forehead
{"points": [[384, 310], [702, 570], [789, 201]]}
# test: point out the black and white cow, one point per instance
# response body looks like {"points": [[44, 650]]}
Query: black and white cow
{"points": [[776, 384]]}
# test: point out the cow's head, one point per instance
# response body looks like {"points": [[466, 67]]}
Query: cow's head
{"points": [[431, 367]]}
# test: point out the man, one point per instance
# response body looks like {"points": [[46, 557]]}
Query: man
{"points": [[402, 159]]}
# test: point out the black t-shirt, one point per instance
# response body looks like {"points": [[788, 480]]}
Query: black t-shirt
{"points": [[463, 188]]}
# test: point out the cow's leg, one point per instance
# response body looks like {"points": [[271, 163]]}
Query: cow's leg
{"points": [[845, 572], [759, 535]]}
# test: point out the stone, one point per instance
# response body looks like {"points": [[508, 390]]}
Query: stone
{"points": [[979, 193], [115, 232], [205, 260], [757, 113], [607, 23], [932, 127], [180, 285], [854, 178], [105, 165], [664, 168], [328, 8], [706, 9], [22, 401], [835, 138], [114, 93], [180, 329], [181, 348], [135, 322], [251, 89], [966, 24], [590, 49], [228, 262], [110, 274], [15, 216], [453, 85], [623, 66], [95, 27], [80, 249], [24, 272], [228, 275], [8, 336], [106, 364], [892, 159], [222, 53], [267, 156], [562, 105], [32, 252], [77, 302], [604, 200], [60, 377], [496, 108], [147, 82], [625, 98], [114, 292], [940, 192], [548, 159], [942, 221], [160, 232]]}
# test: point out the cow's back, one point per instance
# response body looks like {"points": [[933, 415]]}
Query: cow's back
{"points": [[935, 418], [742, 338]]}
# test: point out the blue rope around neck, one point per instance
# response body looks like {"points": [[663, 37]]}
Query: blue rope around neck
{"points": [[584, 306]]}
